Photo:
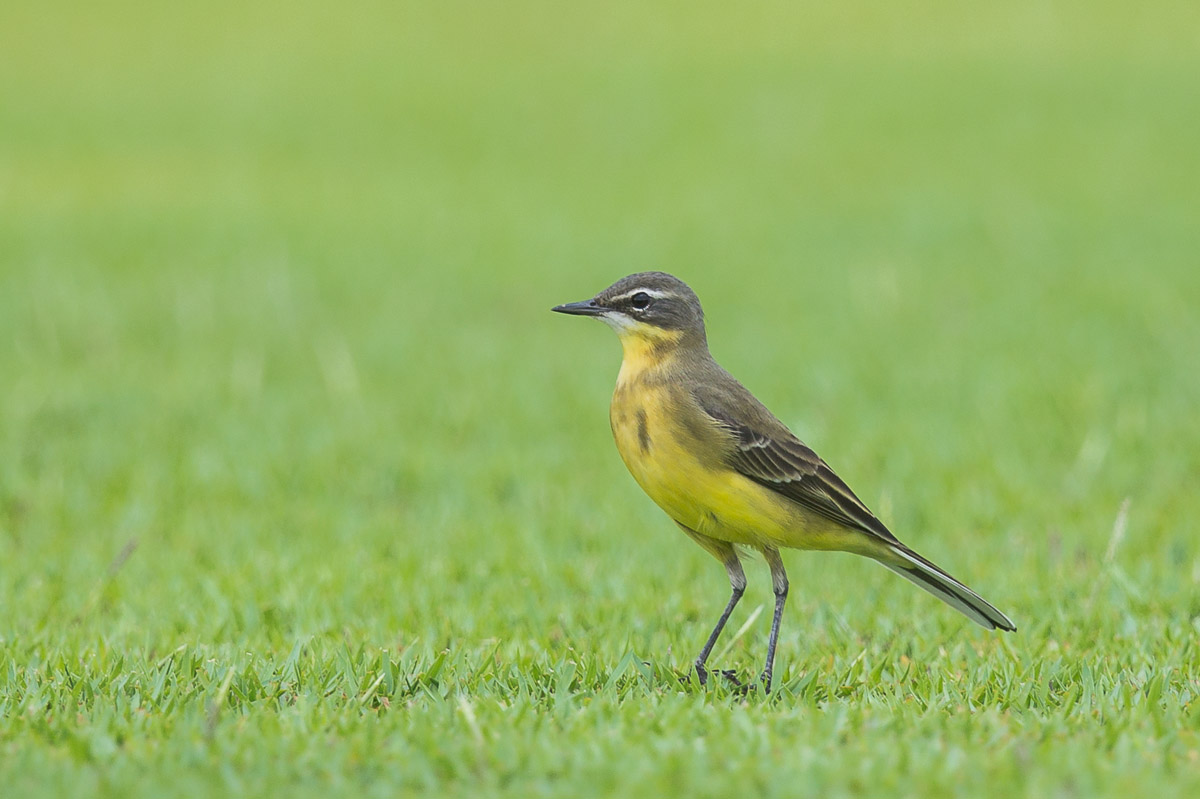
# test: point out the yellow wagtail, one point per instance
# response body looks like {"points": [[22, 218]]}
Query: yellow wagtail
{"points": [[724, 468]]}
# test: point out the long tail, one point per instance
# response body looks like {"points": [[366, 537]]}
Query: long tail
{"points": [[912, 566]]}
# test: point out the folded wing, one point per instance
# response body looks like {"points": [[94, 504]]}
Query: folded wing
{"points": [[783, 463]]}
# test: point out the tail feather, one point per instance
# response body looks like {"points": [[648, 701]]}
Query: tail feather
{"points": [[925, 574]]}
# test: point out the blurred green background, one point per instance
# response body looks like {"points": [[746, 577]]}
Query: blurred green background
{"points": [[279, 384]]}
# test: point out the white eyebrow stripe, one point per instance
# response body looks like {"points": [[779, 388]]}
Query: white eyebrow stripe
{"points": [[655, 293]]}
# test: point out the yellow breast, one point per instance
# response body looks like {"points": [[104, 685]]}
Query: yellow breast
{"points": [[676, 454], [683, 473]]}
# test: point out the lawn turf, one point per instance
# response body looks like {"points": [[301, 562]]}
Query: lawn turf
{"points": [[303, 489]]}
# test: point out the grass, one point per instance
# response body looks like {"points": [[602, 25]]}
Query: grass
{"points": [[303, 489]]}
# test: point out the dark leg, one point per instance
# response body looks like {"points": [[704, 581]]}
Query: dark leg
{"points": [[724, 552], [779, 582], [737, 581]]}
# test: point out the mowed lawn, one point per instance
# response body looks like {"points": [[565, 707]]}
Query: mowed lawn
{"points": [[304, 491]]}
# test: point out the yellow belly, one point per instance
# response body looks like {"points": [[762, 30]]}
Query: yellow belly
{"points": [[701, 493]]}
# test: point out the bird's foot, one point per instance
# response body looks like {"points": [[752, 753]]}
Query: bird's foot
{"points": [[729, 674], [744, 688]]}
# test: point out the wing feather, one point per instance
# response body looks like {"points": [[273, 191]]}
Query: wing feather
{"points": [[783, 463]]}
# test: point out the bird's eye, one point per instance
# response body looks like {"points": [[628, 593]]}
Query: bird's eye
{"points": [[641, 301]]}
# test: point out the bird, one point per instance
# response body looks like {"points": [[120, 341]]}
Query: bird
{"points": [[731, 475]]}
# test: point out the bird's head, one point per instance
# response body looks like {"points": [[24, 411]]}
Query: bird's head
{"points": [[649, 308]]}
